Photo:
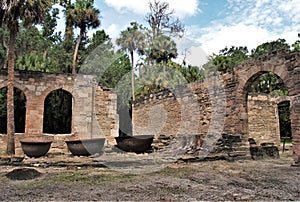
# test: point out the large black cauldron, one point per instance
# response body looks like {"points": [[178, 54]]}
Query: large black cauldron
{"points": [[137, 144], [36, 146], [86, 147]]}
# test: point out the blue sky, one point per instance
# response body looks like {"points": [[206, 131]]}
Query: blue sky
{"points": [[211, 25]]}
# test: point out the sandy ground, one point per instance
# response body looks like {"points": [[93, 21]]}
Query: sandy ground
{"points": [[272, 179]]}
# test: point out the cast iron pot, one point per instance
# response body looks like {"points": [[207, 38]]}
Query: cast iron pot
{"points": [[85, 147], [36, 146], [137, 144]]}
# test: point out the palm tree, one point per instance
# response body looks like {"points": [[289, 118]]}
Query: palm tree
{"points": [[11, 13], [84, 16], [163, 49], [131, 40]]}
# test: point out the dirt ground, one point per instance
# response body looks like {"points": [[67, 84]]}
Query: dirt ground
{"points": [[272, 179]]}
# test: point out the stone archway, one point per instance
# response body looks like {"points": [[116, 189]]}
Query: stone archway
{"points": [[287, 66]]}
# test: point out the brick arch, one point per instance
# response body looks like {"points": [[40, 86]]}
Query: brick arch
{"points": [[26, 92], [69, 89], [247, 72], [18, 85], [68, 124], [286, 66]]}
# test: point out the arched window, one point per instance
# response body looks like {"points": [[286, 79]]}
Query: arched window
{"points": [[20, 110], [58, 112]]}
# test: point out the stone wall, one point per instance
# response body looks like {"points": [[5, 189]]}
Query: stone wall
{"points": [[263, 118], [219, 104], [93, 107], [106, 117], [166, 114]]}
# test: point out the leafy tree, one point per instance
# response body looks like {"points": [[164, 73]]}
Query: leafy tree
{"points": [[228, 58], [192, 73], [115, 72], [98, 38], [296, 45], [11, 13], [131, 40], [30, 40], [102, 61], [269, 47], [163, 76], [32, 62], [49, 26], [38, 53], [84, 16], [58, 59]]}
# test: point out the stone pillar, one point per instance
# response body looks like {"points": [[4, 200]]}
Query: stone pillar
{"points": [[106, 123], [295, 122]]}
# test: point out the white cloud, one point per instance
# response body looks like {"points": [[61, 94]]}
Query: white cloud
{"points": [[250, 24], [238, 35], [112, 30], [181, 8], [269, 14], [219, 37]]}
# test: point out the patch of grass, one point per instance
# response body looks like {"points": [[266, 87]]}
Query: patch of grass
{"points": [[77, 177]]}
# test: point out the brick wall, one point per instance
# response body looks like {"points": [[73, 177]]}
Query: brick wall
{"points": [[263, 118], [219, 105], [92, 106]]}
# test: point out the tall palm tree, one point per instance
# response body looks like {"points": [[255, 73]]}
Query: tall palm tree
{"points": [[84, 16], [131, 40], [11, 13]]}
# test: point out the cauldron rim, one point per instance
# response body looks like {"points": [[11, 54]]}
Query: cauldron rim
{"points": [[83, 140], [136, 137], [28, 141]]}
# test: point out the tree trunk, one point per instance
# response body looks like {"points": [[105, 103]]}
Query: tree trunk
{"points": [[10, 96], [69, 30], [132, 76], [75, 54], [132, 89]]}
